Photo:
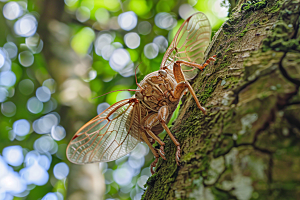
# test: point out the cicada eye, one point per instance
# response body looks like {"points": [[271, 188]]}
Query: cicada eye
{"points": [[163, 73], [139, 95]]}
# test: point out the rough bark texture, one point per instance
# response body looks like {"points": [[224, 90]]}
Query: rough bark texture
{"points": [[247, 147]]}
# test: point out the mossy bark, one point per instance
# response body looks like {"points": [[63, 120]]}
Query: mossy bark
{"points": [[247, 147]]}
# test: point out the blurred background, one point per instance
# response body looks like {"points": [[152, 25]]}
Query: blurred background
{"points": [[55, 57]]}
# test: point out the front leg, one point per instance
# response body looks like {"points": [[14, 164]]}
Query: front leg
{"points": [[151, 121], [163, 115], [195, 65], [182, 85], [154, 151]]}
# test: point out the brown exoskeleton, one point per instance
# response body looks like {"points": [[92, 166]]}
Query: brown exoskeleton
{"points": [[117, 130]]}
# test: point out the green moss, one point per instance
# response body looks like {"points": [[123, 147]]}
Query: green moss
{"points": [[275, 8], [223, 65], [228, 28], [151, 180], [216, 62], [280, 40], [229, 49], [243, 32], [223, 146], [233, 20], [220, 194], [209, 88], [187, 157], [203, 168], [254, 5]]}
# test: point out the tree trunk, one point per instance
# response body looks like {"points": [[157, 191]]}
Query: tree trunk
{"points": [[247, 146], [84, 181]]}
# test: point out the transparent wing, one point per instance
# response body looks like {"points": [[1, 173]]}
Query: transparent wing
{"points": [[189, 44], [109, 136]]}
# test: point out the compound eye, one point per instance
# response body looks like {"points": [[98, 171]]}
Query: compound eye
{"points": [[163, 73], [139, 95]]}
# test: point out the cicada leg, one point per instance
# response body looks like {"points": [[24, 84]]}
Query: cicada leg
{"points": [[163, 115], [207, 62], [149, 123], [154, 151], [195, 65], [182, 85]]}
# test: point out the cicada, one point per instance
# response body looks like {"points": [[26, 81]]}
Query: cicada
{"points": [[118, 129]]}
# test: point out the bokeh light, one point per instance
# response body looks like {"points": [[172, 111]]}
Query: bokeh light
{"points": [[58, 133], [81, 42], [128, 70], [103, 39], [21, 127], [45, 123], [107, 51], [3, 94], [132, 40], [8, 109], [127, 20], [109, 176], [151, 50], [70, 2], [45, 144], [219, 10], [102, 15], [2, 57], [101, 107], [142, 181], [186, 10], [43, 94], [11, 182], [26, 86], [12, 50], [161, 42], [34, 105], [119, 59], [34, 43], [123, 175], [12, 10], [26, 26], [50, 196], [61, 170], [34, 173], [7, 78], [144, 28], [13, 155], [83, 14], [165, 21], [26, 58], [50, 84]]}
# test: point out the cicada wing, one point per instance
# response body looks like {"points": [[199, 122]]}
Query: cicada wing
{"points": [[189, 44], [109, 136]]}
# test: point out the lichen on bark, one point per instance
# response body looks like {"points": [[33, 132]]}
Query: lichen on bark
{"points": [[247, 147]]}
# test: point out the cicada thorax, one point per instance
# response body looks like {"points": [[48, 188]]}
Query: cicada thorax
{"points": [[157, 91]]}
